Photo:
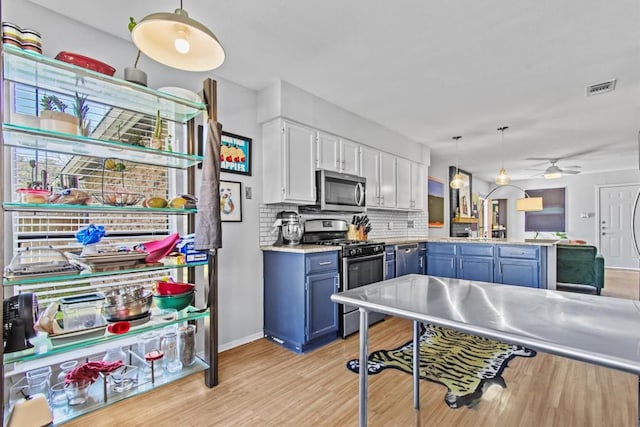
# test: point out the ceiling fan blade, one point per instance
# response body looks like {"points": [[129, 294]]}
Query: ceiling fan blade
{"points": [[548, 159], [570, 172], [572, 167]]}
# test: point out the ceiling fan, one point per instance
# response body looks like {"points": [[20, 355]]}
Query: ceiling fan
{"points": [[554, 171]]}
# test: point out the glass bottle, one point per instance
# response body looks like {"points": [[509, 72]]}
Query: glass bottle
{"points": [[171, 361], [187, 344], [115, 353]]}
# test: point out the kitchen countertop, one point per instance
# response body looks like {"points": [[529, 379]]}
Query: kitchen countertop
{"points": [[305, 248]]}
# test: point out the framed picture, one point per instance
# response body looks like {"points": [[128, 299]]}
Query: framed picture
{"points": [[235, 154], [230, 201], [436, 201], [553, 216]]}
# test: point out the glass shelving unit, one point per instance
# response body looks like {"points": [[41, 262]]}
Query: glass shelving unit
{"points": [[32, 69], [44, 207]]}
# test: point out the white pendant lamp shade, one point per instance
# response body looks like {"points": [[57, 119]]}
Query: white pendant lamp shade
{"points": [[503, 178], [175, 40]]}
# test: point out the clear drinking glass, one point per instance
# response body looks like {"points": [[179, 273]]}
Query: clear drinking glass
{"points": [[148, 342], [171, 360], [39, 381], [65, 368], [77, 392]]}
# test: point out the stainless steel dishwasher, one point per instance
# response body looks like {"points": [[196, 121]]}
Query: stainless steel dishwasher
{"points": [[407, 259]]}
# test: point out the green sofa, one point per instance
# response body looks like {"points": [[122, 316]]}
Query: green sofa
{"points": [[579, 265]]}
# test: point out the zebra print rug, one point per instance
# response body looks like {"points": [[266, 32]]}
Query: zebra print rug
{"points": [[463, 363]]}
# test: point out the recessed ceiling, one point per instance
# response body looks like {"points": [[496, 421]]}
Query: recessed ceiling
{"points": [[431, 70]]}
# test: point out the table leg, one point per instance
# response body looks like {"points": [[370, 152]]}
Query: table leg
{"points": [[416, 364], [364, 368]]}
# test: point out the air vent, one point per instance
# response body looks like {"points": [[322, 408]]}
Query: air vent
{"points": [[603, 87]]}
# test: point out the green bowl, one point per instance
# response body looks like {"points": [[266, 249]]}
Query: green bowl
{"points": [[177, 302]]}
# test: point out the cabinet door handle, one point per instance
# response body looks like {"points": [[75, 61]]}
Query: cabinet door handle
{"points": [[420, 262], [500, 267], [452, 265], [460, 263], [324, 263], [337, 164]]}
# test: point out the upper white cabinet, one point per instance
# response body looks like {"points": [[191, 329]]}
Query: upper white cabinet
{"points": [[410, 185], [289, 160], [387, 180], [370, 168], [337, 154]]}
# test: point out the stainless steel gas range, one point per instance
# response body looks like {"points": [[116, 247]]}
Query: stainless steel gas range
{"points": [[361, 263]]}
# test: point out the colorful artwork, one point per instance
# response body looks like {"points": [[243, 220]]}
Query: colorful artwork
{"points": [[230, 201], [464, 195], [435, 189], [235, 154]]}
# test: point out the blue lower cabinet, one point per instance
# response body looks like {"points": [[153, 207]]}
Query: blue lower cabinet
{"points": [[298, 311], [520, 272], [389, 262], [441, 265], [475, 268]]}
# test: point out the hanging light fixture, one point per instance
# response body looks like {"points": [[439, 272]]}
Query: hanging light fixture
{"points": [[502, 178], [178, 41], [456, 181]]}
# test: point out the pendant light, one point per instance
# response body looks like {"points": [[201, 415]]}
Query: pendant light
{"points": [[456, 181], [178, 41], [502, 178]]}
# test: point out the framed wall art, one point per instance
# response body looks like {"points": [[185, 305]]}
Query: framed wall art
{"points": [[553, 216], [230, 201], [235, 154], [436, 201]]}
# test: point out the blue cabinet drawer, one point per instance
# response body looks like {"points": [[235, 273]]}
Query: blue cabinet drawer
{"points": [[472, 249], [441, 248], [525, 252], [321, 262]]}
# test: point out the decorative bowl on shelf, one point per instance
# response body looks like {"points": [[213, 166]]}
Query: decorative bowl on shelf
{"points": [[172, 288], [86, 62], [179, 301], [118, 198], [28, 195]]}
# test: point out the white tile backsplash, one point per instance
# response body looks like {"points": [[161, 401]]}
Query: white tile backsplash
{"points": [[384, 223]]}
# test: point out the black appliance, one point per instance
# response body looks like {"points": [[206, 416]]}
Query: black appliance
{"points": [[338, 192], [361, 263], [19, 313]]}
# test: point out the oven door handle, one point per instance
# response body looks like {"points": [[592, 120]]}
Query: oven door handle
{"points": [[380, 255]]}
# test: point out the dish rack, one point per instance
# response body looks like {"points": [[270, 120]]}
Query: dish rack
{"points": [[112, 197]]}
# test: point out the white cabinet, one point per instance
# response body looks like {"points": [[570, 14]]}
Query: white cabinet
{"points": [[387, 180], [418, 179], [370, 168], [289, 160], [410, 185], [337, 154]]}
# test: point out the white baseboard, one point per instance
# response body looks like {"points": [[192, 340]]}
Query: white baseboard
{"points": [[239, 342], [622, 268]]}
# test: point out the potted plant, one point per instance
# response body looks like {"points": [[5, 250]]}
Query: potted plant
{"points": [[132, 74], [156, 139], [81, 109], [54, 118]]}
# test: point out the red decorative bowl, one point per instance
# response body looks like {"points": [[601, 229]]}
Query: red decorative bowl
{"points": [[172, 288], [86, 62]]}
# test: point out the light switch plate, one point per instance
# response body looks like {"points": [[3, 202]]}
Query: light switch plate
{"points": [[247, 193]]}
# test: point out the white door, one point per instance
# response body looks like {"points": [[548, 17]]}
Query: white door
{"points": [[418, 179], [616, 240]]}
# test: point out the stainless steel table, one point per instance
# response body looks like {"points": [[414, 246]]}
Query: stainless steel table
{"points": [[595, 329]]}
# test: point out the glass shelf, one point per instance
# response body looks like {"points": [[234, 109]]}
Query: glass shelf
{"points": [[66, 143], [38, 70], [65, 413], [45, 349], [42, 207], [87, 274]]}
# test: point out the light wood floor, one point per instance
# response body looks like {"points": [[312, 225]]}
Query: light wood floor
{"points": [[262, 384]]}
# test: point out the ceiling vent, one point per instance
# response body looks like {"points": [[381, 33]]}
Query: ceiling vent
{"points": [[603, 87]]}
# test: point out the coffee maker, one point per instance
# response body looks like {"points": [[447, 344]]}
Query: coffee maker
{"points": [[289, 227]]}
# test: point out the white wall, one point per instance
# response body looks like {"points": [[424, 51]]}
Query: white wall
{"points": [[240, 260]]}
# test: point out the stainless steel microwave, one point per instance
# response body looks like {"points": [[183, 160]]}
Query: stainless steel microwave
{"points": [[340, 192]]}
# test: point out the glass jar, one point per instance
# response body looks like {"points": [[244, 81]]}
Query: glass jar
{"points": [[187, 344], [77, 392], [114, 354], [65, 368], [148, 342], [169, 346], [39, 381]]}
